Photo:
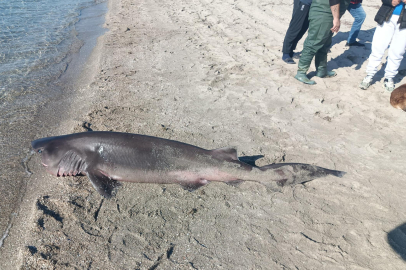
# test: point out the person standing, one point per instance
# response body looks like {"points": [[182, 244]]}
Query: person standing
{"points": [[297, 28], [324, 20], [391, 19], [358, 13]]}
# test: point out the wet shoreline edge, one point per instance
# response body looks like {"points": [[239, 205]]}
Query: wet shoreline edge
{"points": [[76, 76]]}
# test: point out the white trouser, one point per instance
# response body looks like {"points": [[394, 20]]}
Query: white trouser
{"points": [[384, 34]]}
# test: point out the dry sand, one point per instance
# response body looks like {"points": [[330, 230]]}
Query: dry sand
{"points": [[209, 73]]}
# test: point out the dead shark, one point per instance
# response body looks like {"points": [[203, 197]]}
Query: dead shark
{"points": [[108, 157]]}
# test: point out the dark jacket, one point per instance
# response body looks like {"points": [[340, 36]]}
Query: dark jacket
{"points": [[385, 12]]}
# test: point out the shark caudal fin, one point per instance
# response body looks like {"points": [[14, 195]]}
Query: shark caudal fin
{"points": [[297, 173]]}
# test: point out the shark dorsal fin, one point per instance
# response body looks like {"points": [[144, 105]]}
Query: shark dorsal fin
{"points": [[226, 153]]}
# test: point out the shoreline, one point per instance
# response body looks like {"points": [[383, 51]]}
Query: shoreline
{"points": [[210, 75], [56, 111]]}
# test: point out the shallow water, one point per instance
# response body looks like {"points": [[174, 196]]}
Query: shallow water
{"points": [[40, 42], [35, 35]]}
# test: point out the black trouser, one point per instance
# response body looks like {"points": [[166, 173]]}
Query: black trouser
{"points": [[297, 27]]}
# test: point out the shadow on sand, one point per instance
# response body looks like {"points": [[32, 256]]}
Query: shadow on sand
{"points": [[356, 56], [397, 240], [353, 55]]}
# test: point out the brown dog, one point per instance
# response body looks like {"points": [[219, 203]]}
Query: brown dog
{"points": [[398, 97]]}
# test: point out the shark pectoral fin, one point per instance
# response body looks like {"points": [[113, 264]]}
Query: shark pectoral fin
{"points": [[193, 185], [102, 183]]}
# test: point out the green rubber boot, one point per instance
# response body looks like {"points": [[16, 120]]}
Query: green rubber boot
{"points": [[326, 74], [303, 67], [320, 61], [301, 77]]}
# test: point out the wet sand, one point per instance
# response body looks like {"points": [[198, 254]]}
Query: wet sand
{"points": [[41, 113], [210, 74]]}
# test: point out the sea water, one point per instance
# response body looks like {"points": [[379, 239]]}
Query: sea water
{"points": [[38, 41], [35, 38]]}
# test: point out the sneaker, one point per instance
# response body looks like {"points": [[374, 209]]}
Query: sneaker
{"points": [[388, 85], [355, 43], [366, 82]]}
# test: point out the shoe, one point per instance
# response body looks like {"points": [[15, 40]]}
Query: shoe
{"points": [[326, 74], [287, 59], [366, 82], [388, 85], [355, 43], [303, 78]]}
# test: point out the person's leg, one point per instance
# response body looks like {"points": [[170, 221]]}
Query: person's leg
{"points": [[321, 58], [319, 32], [299, 18], [396, 52], [292, 29], [295, 5], [395, 56], [305, 25], [382, 37], [358, 13], [306, 58]]}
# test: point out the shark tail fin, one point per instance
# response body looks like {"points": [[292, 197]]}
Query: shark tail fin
{"points": [[297, 173]]}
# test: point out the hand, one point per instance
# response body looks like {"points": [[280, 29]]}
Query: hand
{"points": [[396, 2], [336, 24]]}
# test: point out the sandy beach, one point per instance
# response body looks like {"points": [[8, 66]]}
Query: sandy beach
{"points": [[210, 74]]}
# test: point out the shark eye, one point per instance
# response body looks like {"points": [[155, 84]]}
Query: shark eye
{"points": [[40, 151]]}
